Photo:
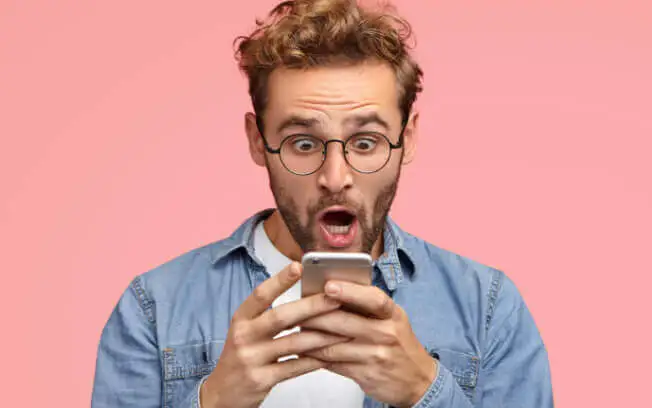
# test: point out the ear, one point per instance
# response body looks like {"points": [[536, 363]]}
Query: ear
{"points": [[410, 138], [256, 144]]}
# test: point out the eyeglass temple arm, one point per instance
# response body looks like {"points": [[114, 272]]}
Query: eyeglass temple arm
{"points": [[260, 126], [399, 144]]}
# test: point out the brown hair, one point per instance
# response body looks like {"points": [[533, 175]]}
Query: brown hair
{"points": [[306, 33]]}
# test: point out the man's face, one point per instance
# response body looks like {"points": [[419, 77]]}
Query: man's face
{"points": [[334, 208]]}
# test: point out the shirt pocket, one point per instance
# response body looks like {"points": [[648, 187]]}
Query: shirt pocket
{"points": [[183, 368], [463, 366]]}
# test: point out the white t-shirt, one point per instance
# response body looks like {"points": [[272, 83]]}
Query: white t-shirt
{"points": [[317, 389]]}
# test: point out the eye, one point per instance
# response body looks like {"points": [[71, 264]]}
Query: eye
{"points": [[305, 144], [364, 143]]}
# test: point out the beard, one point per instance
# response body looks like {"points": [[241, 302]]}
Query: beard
{"points": [[370, 225]]}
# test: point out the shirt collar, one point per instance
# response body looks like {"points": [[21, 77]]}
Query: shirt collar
{"points": [[395, 264]]}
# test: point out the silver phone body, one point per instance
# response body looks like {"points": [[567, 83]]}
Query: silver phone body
{"points": [[320, 267]]}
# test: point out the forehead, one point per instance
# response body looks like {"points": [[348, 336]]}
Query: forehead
{"points": [[333, 93]]}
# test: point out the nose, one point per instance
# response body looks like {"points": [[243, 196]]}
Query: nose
{"points": [[335, 174]]}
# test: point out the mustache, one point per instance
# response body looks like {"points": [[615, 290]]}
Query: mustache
{"points": [[331, 200]]}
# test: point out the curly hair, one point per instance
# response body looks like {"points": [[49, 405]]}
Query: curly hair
{"points": [[307, 33]]}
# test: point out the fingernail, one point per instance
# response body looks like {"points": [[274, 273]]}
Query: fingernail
{"points": [[332, 288]]}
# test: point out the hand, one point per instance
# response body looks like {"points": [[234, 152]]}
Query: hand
{"points": [[248, 367], [384, 356]]}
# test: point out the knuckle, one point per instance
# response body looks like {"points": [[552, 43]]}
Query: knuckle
{"points": [[244, 355], [285, 344], [288, 276], [398, 314], [325, 353], [385, 303], [277, 319], [257, 381], [239, 335], [294, 342], [381, 354], [388, 334], [259, 294]]}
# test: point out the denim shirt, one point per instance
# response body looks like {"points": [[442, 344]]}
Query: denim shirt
{"points": [[167, 331]]}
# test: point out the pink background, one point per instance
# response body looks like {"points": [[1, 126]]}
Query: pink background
{"points": [[122, 147]]}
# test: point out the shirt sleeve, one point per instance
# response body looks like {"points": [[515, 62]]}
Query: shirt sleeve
{"points": [[443, 392], [128, 368], [515, 371]]}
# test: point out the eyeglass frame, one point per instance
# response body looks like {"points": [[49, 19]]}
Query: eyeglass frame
{"points": [[271, 150]]}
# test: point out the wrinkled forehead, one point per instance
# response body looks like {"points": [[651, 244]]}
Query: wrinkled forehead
{"points": [[340, 96]]}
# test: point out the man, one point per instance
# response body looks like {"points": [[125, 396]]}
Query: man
{"points": [[333, 87]]}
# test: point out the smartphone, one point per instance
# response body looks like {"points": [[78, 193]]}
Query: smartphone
{"points": [[320, 267]]}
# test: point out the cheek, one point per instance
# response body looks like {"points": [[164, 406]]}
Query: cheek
{"points": [[371, 188], [299, 192]]}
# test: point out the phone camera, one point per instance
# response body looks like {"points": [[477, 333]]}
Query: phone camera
{"points": [[315, 261]]}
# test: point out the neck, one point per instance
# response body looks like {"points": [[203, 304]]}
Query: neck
{"points": [[280, 235]]}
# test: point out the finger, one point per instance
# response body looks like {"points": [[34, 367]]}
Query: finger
{"points": [[369, 300], [350, 370], [265, 293], [290, 314], [296, 343], [278, 372], [350, 325], [351, 352]]}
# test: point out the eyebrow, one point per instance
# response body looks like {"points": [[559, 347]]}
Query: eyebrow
{"points": [[366, 119], [298, 121], [359, 120]]}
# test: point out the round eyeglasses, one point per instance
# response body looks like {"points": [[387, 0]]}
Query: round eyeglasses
{"points": [[364, 152]]}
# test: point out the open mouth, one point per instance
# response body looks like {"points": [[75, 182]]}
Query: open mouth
{"points": [[338, 221], [338, 226]]}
